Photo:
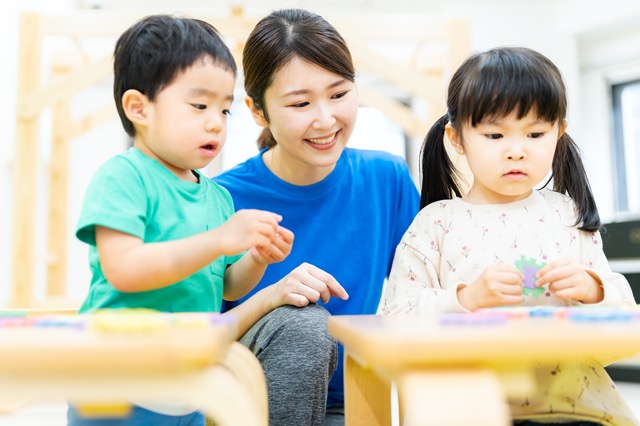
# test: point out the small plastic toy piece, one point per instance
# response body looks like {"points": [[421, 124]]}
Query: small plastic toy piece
{"points": [[529, 267]]}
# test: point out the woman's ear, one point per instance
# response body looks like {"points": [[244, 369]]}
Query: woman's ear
{"points": [[258, 115], [135, 106], [452, 135]]}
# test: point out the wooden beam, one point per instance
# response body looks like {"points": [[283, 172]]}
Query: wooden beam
{"points": [[64, 86], [25, 167], [58, 193], [395, 110], [97, 117]]}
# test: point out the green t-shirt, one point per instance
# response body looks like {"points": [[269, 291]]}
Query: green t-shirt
{"points": [[135, 194]]}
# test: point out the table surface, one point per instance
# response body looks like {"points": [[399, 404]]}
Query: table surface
{"points": [[491, 337], [135, 342], [103, 360]]}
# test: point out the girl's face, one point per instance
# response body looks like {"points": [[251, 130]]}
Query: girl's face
{"points": [[508, 156], [185, 127], [311, 114]]}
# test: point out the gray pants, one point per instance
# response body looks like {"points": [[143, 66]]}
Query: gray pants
{"points": [[298, 357]]}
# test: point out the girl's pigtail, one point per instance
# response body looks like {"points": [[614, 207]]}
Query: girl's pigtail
{"points": [[570, 177], [266, 139], [439, 176]]}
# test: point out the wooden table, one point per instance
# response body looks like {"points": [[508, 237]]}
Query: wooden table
{"points": [[105, 361], [456, 369]]}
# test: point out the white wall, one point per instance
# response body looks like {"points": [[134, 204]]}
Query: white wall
{"points": [[592, 42]]}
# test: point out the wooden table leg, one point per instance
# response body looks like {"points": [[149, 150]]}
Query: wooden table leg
{"points": [[452, 398], [216, 390], [367, 397]]}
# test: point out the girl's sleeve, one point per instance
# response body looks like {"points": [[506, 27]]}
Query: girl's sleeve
{"points": [[617, 291], [414, 285]]}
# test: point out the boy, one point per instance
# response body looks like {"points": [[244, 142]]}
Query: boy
{"points": [[161, 235]]}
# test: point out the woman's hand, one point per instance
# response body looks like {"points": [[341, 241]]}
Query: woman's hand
{"points": [[570, 281], [498, 285], [305, 284]]}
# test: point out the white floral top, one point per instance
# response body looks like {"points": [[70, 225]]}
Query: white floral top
{"points": [[451, 242]]}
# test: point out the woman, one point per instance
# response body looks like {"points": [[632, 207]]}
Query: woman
{"points": [[347, 208]]}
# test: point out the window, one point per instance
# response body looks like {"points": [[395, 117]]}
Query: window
{"points": [[626, 128]]}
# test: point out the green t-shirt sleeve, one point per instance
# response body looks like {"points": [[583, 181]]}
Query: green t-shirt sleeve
{"points": [[114, 199]]}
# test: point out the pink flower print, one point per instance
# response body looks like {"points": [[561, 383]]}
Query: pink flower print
{"points": [[470, 214], [434, 246], [412, 234], [484, 231], [589, 264], [438, 223], [573, 238], [503, 218], [557, 246], [442, 205], [542, 255], [411, 274], [465, 251], [515, 243], [541, 219], [451, 267], [595, 240]]}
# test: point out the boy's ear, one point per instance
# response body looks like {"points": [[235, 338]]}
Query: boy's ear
{"points": [[452, 135], [258, 115], [135, 106]]}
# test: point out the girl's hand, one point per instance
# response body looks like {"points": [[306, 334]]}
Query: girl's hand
{"points": [[569, 281], [277, 251], [498, 285], [305, 284]]}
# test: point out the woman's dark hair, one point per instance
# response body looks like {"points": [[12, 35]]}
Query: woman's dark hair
{"points": [[150, 53], [493, 84], [281, 36]]}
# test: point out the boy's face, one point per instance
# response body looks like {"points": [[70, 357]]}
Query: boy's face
{"points": [[186, 125]]}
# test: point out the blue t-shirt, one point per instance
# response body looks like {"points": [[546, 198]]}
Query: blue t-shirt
{"points": [[349, 225]]}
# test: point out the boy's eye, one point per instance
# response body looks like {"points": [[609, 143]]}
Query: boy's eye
{"points": [[493, 136], [536, 135], [199, 106], [226, 112], [300, 104]]}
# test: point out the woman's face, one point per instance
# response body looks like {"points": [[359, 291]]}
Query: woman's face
{"points": [[311, 114]]}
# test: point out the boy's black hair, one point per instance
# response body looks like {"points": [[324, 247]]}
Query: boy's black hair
{"points": [[494, 84], [150, 53]]}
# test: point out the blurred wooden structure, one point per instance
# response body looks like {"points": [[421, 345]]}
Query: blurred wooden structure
{"points": [[420, 74]]}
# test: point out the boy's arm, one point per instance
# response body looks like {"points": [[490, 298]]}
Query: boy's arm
{"points": [[131, 265]]}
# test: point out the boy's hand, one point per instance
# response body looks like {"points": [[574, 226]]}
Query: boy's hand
{"points": [[277, 251], [246, 229], [305, 284], [498, 285], [569, 281]]}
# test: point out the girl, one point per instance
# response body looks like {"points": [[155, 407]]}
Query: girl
{"points": [[504, 242], [348, 209]]}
